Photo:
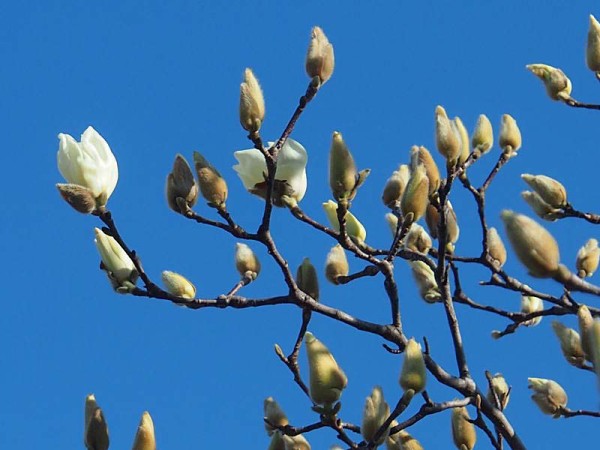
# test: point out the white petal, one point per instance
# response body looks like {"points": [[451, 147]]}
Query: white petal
{"points": [[251, 167], [68, 152]]}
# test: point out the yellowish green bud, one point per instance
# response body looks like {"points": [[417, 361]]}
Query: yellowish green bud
{"points": [[79, 197], [542, 209], [212, 185], [343, 175], [144, 438], [592, 51], [181, 184], [392, 221], [178, 285], [395, 186], [588, 258], [446, 140], [570, 344], [327, 379], [320, 59], [336, 264], [401, 440], [274, 415], [95, 435], [510, 135], [354, 228], [483, 135], [246, 262], [501, 389], [463, 137], [307, 280], [463, 431], [425, 279], [548, 395], [496, 247], [413, 375], [297, 442], [416, 196], [558, 86], [417, 239], [586, 321], [422, 156], [115, 262], [531, 304], [550, 190], [534, 245], [375, 412], [252, 103]]}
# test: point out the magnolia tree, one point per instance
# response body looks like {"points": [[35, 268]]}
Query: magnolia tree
{"points": [[418, 191]]}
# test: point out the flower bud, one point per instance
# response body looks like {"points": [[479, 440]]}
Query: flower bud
{"points": [[570, 344], [246, 262], [542, 209], [416, 196], [463, 431], [95, 436], [327, 380], [501, 389], [592, 51], [425, 279], [115, 262], [496, 247], [432, 218], [510, 135], [297, 442], [212, 185], [395, 186], [463, 136], [277, 442], [392, 221], [80, 198], [483, 135], [422, 156], [401, 440], [144, 438], [307, 280], [178, 285], [375, 412], [181, 184], [336, 264], [548, 395], [274, 415], [342, 170], [558, 86], [417, 239], [531, 304], [446, 140], [588, 258], [354, 228], [586, 321], [252, 103], [320, 60], [550, 190], [534, 245], [414, 374], [594, 341]]}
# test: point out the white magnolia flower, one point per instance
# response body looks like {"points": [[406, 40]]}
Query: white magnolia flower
{"points": [[118, 265], [291, 170], [88, 163]]}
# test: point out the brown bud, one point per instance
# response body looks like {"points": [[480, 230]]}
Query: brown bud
{"points": [[336, 264], [80, 198], [95, 435], [274, 415], [401, 440], [432, 218], [395, 186], [416, 195], [144, 438], [252, 103], [496, 247], [212, 185], [320, 60], [246, 262], [463, 431], [422, 156], [181, 184]]}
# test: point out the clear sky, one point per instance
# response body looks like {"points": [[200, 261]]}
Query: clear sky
{"points": [[161, 78]]}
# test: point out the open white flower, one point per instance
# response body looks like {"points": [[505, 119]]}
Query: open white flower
{"points": [[290, 175], [88, 163]]}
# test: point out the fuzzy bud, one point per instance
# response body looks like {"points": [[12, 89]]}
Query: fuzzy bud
{"points": [[463, 431], [594, 341], [80, 198], [336, 264], [212, 185], [425, 279], [392, 221], [413, 375], [570, 344], [395, 186], [277, 442], [320, 59], [550, 190], [542, 209], [274, 415], [558, 86], [501, 389], [297, 442], [586, 321], [246, 262], [118, 266], [483, 135], [463, 137], [181, 184], [327, 380], [95, 435], [401, 440], [588, 258], [178, 285], [252, 103], [531, 304], [343, 175], [307, 280], [534, 245], [432, 218], [354, 228], [417, 239], [144, 438], [446, 140], [510, 135], [496, 247], [375, 412], [592, 51], [548, 395], [422, 156], [416, 196]]}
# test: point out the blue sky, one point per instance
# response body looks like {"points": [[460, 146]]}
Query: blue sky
{"points": [[160, 78]]}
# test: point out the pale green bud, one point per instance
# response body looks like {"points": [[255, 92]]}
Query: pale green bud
{"points": [[115, 262], [307, 280], [95, 435], [181, 184], [413, 375], [542, 209], [342, 170], [534, 245], [320, 59], [354, 228], [446, 140], [212, 185], [274, 415], [336, 264], [558, 86], [570, 344], [80, 198], [496, 247], [422, 156], [588, 258], [501, 389], [548, 395], [392, 221], [402, 440], [483, 135], [375, 412], [463, 431], [327, 379], [592, 51], [510, 135], [178, 285], [550, 190], [531, 304], [586, 321], [395, 186], [246, 262], [144, 438], [417, 239], [425, 279], [416, 196], [252, 103], [463, 137], [297, 442]]}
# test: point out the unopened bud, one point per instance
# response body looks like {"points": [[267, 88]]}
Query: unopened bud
{"points": [[342, 170], [297, 442], [401, 440], [79, 197], [320, 60], [327, 380], [534, 245], [558, 86], [181, 184], [392, 221], [500, 388], [496, 247], [95, 435], [594, 341], [307, 280], [417, 239], [414, 374], [178, 285], [118, 266], [277, 442], [212, 185], [416, 195], [446, 140], [274, 415], [354, 228], [422, 156], [432, 218], [252, 103], [510, 135], [463, 137], [483, 135], [246, 262], [425, 279], [550, 190], [336, 264], [570, 344], [375, 412], [548, 395], [542, 209], [144, 438], [463, 431], [592, 51], [586, 321], [588, 258], [531, 304], [395, 186]]}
